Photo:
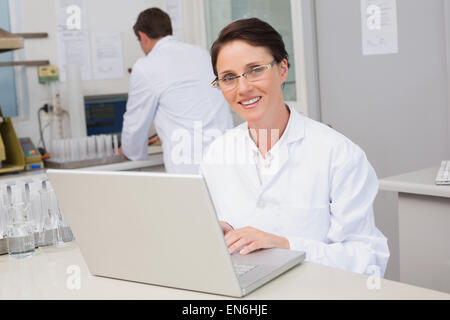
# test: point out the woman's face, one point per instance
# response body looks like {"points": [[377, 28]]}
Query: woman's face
{"points": [[256, 101]]}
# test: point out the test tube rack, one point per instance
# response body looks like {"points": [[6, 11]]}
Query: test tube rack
{"points": [[84, 163]]}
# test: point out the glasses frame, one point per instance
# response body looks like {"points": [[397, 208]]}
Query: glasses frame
{"points": [[215, 83]]}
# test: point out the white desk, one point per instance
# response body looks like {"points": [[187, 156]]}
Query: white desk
{"points": [[424, 228], [44, 276], [155, 160]]}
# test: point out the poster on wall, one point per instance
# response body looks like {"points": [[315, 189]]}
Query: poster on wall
{"points": [[379, 27], [174, 9], [107, 55], [72, 37]]}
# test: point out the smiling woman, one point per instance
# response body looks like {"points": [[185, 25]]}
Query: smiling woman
{"points": [[240, 50], [277, 13], [281, 179]]}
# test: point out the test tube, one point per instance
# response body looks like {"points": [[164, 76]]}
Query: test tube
{"points": [[67, 154], [100, 146], [91, 151], [82, 148], [3, 208], [35, 203], [116, 145], [54, 150], [74, 153], [20, 235], [108, 145], [62, 150]]}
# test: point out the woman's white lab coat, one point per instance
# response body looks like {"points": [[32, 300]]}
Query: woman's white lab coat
{"points": [[319, 196]]}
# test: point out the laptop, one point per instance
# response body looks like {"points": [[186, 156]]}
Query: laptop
{"points": [[160, 229]]}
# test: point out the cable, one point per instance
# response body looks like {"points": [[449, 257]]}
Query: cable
{"points": [[44, 108]]}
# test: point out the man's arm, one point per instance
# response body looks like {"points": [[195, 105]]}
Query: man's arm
{"points": [[141, 109]]}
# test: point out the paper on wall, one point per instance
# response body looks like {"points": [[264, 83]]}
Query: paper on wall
{"points": [[107, 55], [73, 48], [379, 27], [174, 9], [72, 37]]}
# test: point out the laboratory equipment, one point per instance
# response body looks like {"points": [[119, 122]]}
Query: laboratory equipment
{"points": [[33, 159], [104, 113], [84, 152], [58, 116], [12, 155], [54, 229], [59, 120], [20, 234], [48, 228], [75, 101]]}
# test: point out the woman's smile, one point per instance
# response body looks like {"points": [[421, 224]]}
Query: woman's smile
{"points": [[250, 103]]}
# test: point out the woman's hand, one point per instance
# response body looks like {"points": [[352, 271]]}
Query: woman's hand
{"points": [[225, 227], [251, 239]]}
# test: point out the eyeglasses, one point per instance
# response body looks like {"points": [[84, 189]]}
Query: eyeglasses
{"points": [[229, 82]]}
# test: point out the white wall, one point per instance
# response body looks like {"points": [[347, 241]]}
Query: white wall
{"points": [[395, 106]]}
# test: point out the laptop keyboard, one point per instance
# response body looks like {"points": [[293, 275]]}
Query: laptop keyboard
{"points": [[443, 175], [242, 269]]}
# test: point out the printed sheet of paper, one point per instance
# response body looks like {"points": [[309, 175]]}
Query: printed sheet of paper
{"points": [[174, 9], [107, 58], [73, 48], [73, 37], [379, 27]]}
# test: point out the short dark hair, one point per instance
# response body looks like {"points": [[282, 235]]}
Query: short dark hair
{"points": [[256, 33], [154, 22]]}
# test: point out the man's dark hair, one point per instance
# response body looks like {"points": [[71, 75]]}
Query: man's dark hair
{"points": [[154, 22], [256, 33]]}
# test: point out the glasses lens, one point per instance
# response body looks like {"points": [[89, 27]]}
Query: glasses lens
{"points": [[256, 73], [228, 84]]}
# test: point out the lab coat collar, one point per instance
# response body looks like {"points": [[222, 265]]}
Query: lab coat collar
{"points": [[162, 42], [295, 129], [295, 132], [296, 123]]}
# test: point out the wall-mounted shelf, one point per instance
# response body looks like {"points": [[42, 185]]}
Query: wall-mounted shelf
{"points": [[9, 41], [32, 63], [13, 41]]}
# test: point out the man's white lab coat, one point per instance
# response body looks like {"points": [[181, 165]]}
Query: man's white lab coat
{"points": [[318, 193], [171, 86]]}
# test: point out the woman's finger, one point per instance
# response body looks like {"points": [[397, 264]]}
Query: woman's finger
{"points": [[239, 244], [232, 236], [252, 246]]}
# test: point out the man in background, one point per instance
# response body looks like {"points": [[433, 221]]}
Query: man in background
{"points": [[171, 86]]}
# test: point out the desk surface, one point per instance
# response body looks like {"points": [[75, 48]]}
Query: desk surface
{"points": [[46, 275], [417, 182], [155, 159]]}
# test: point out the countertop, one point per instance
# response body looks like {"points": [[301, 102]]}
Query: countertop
{"points": [[61, 273], [417, 182]]}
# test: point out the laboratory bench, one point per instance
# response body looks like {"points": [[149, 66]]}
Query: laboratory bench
{"points": [[61, 273], [424, 224], [154, 163]]}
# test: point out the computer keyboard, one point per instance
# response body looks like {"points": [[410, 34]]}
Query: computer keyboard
{"points": [[242, 269], [443, 175]]}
